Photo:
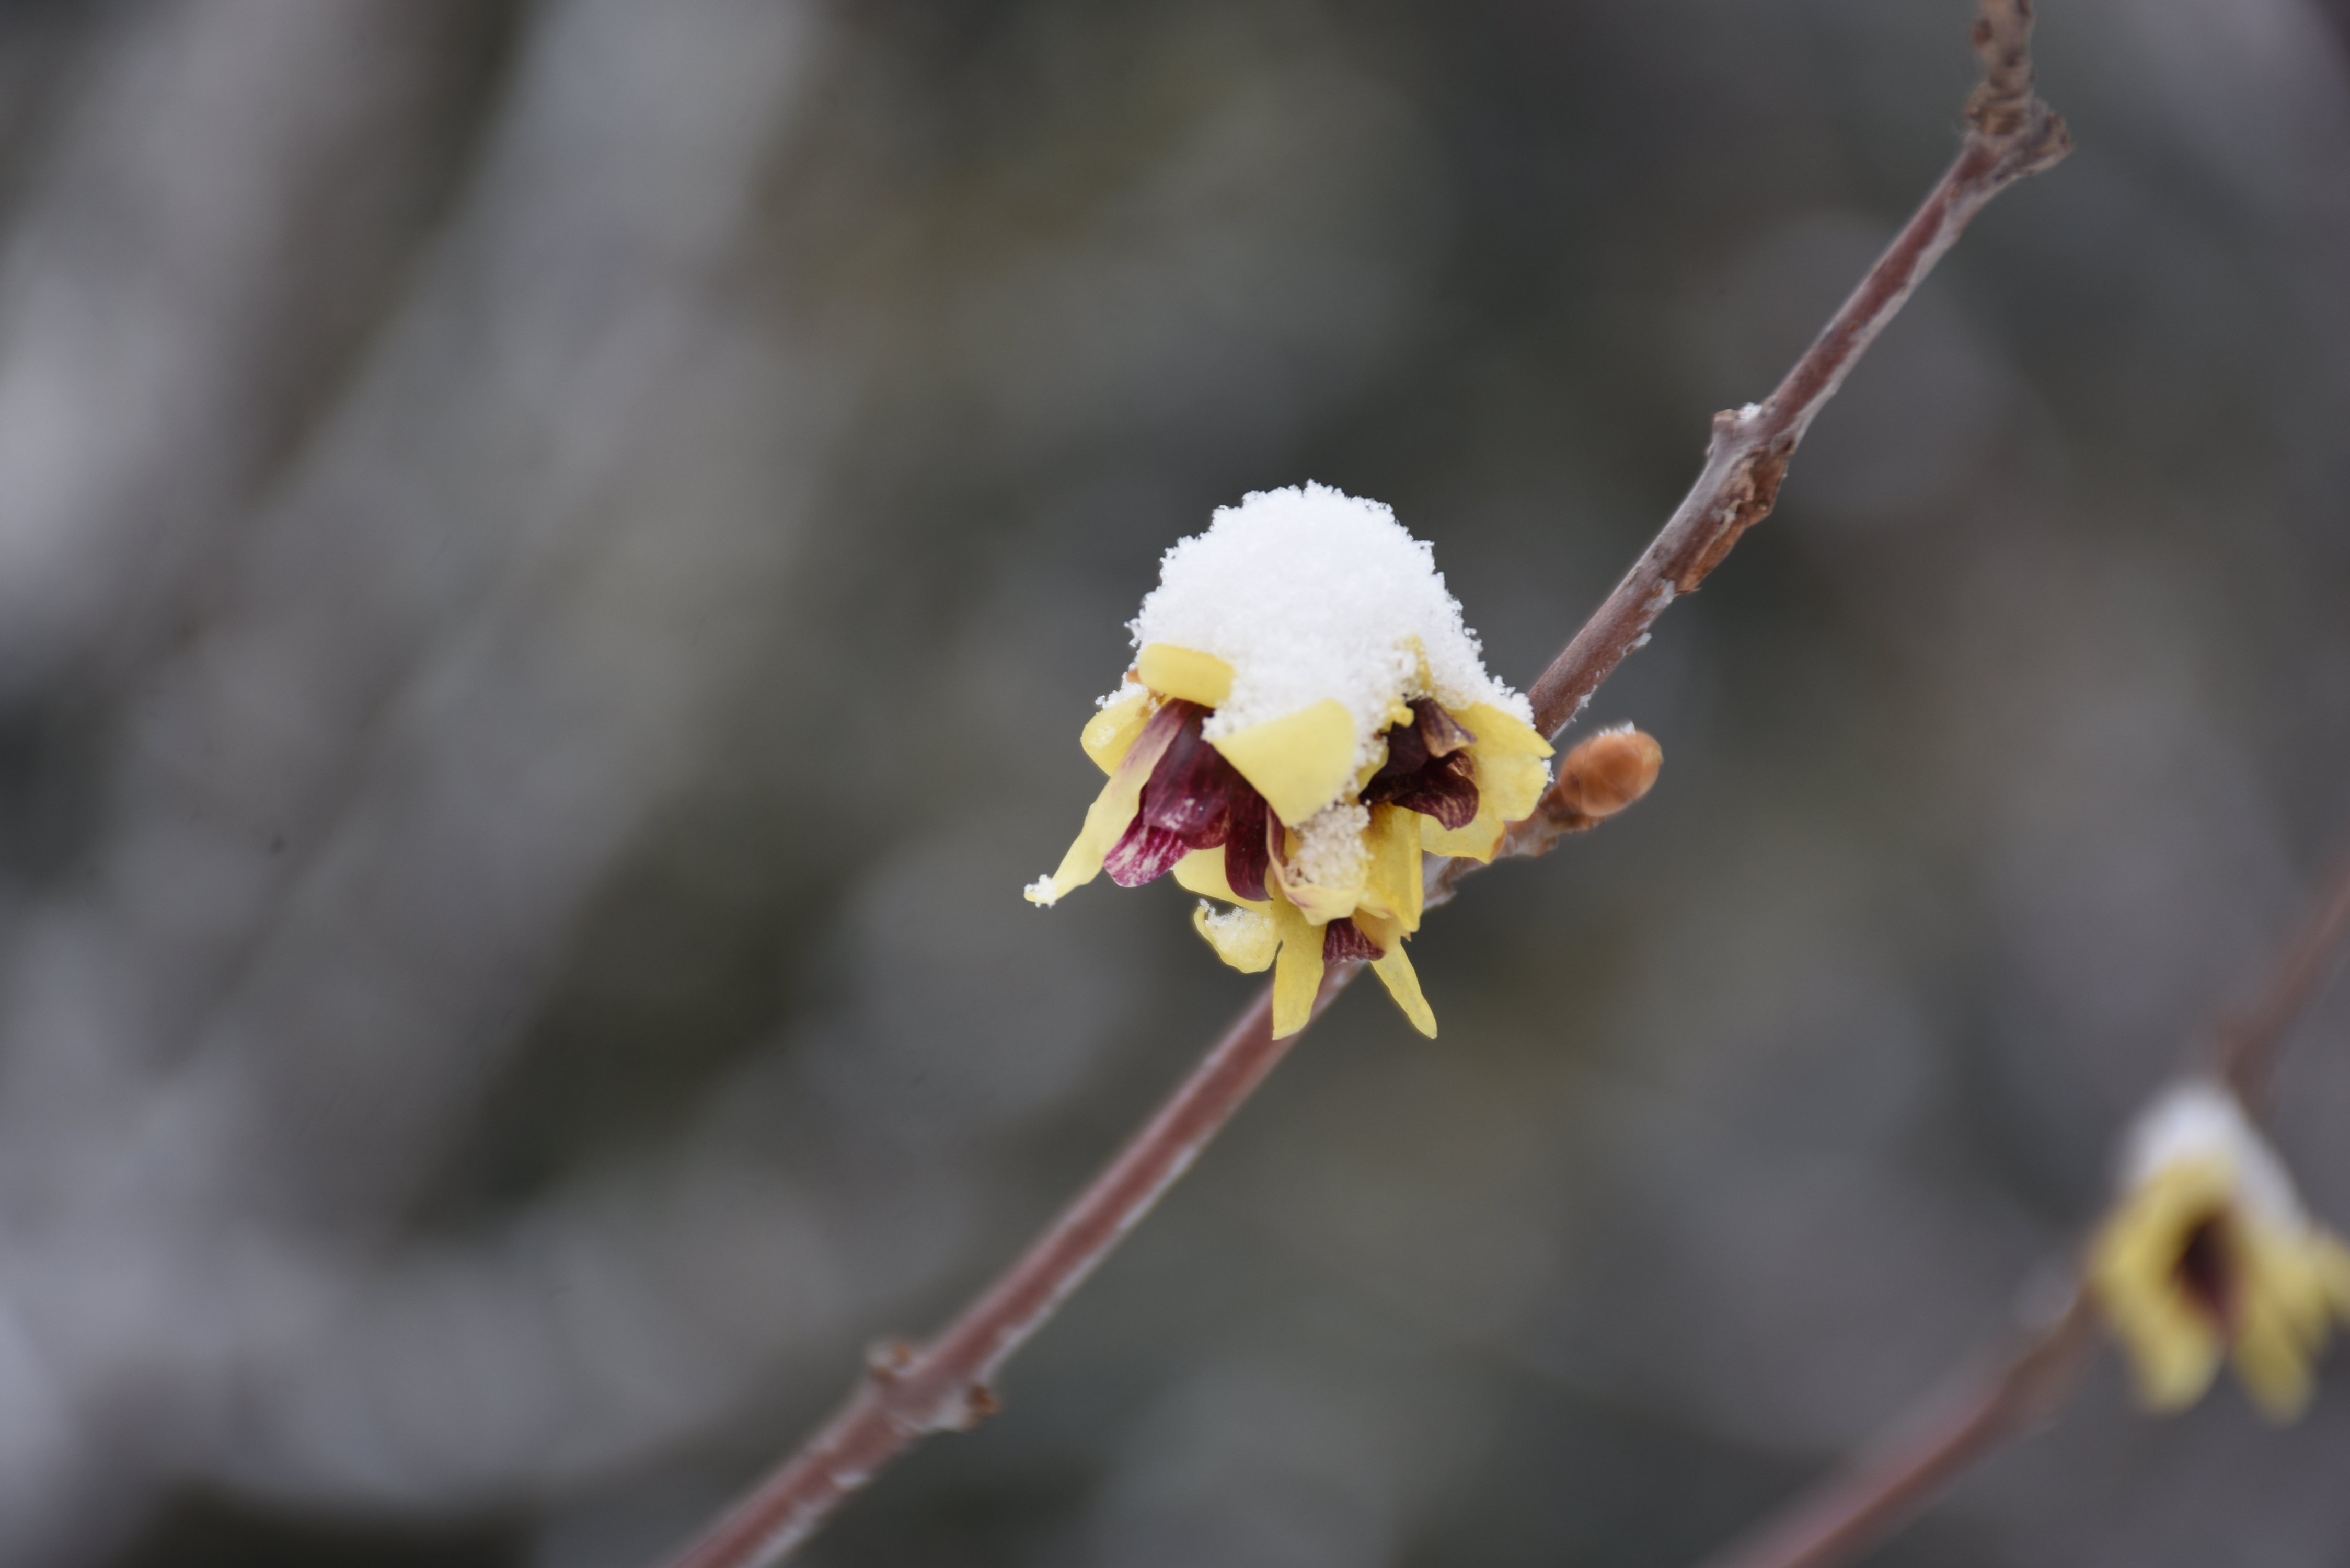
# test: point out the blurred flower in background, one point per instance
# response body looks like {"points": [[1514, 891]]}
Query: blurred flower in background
{"points": [[2207, 1252], [503, 508]]}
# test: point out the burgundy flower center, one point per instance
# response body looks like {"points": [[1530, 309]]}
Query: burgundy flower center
{"points": [[1428, 768], [1344, 939], [2206, 1269], [1194, 800]]}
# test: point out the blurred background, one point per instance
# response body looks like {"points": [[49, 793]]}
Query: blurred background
{"points": [[552, 558]]}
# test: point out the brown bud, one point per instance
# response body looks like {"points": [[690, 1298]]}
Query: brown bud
{"points": [[1608, 772]]}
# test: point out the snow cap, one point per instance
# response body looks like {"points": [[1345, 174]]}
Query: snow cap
{"points": [[2196, 1119], [1311, 594]]}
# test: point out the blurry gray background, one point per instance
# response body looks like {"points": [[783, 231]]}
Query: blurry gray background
{"points": [[551, 557]]}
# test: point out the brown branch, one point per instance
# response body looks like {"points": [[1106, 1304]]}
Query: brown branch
{"points": [[2011, 135], [1897, 1476], [908, 1393], [1884, 1487], [2246, 1051]]}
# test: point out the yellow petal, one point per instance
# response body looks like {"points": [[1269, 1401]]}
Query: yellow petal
{"points": [[1110, 734], [1403, 984], [1245, 939], [1299, 761], [2173, 1358], [1202, 872], [1500, 733], [1298, 977], [2332, 1261], [2174, 1351], [1478, 841], [2271, 1363], [1511, 778], [2173, 1348], [1185, 672], [1317, 903], [1395, 971], [2289, 1274], [1106, 821], [2287, 1305], [1323, 902], [1393, 886], [1515, 784]]}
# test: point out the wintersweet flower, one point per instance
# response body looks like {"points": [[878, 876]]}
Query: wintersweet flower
{"points": [[1306, 718], [2207, 1252]]}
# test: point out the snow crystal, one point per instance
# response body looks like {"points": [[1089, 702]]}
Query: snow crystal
{"points": [[1330, 848], [1227, 919], [1309, 593], [2198, 1119]]}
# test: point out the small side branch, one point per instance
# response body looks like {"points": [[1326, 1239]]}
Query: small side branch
{"points": [[2011, 134], [2246, 1051], [1882, 1488], [1885, 1486]]}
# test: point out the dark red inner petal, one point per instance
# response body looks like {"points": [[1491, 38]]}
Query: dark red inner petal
{"points": [[2206, 1270], [1428, 768], [1190, 790], [1344, 939], [1439, 730], [1248, 853], [1194, 800], [1144, 854]]}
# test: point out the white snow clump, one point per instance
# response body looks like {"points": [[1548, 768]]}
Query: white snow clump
{"points": [[1309, 593], [2198, 1119]]}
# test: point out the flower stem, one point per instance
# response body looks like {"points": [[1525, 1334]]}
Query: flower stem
{"points": [[1878, 1491]]}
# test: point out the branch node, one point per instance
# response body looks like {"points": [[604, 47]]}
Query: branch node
{"points": [[1747, 496], [895, 1371], [889, 1362], [979, 1402], [959, 1409]]}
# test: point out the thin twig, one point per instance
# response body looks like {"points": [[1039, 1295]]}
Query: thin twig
{"points": [[2011, 134], [908, 1392], [1880, 1490], [1897, 1476], [2245, 1053]]}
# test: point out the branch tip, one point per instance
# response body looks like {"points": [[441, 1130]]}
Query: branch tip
{"points": [[2004, 109]]}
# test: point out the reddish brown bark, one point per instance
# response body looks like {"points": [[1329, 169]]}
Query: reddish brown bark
{"points": [[908, 1393]]}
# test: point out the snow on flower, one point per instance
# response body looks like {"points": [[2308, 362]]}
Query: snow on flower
{"points": [[1306, 717], [2207, 1252]]}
